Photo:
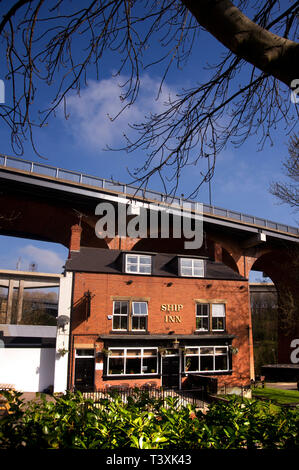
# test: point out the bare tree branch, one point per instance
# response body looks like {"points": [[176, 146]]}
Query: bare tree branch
{"points": [[245, 92], [288, 193]]}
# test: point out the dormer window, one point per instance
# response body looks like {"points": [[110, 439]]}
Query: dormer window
{"points": [[191, 267], [138, 264]]}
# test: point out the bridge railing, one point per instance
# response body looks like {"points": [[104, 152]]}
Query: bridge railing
{"points": [[103, 183]]}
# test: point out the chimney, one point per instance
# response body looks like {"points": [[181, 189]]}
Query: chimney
{"points": [[75, 239]]}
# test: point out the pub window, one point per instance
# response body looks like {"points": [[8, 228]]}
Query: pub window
{"points": [[120, 315], [139, 315], [191, 267], [210, 317], [218, 317], [202, 317], [138, 264], [130, 316], [206, 359], [135, 361]]}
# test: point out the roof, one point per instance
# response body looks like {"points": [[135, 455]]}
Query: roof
{"points": [[101, 260]]}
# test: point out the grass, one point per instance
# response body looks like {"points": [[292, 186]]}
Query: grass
{"points": [[277, 395]]}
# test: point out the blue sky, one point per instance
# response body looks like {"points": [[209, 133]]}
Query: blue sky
{"points": [[242, 175]]}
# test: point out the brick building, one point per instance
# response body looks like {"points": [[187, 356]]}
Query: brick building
{"points": [[142, 317]]}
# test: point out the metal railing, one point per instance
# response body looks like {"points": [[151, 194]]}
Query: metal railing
{"points": [[130, 190], [195, 397]]}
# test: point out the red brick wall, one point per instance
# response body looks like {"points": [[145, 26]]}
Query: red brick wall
{"points": [[158, 291]]}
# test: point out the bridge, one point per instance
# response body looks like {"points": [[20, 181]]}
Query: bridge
{"points": [[47, 203]]}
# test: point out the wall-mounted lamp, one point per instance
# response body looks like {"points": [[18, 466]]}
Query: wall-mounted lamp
{"points": [[169, 284], [242, 287], [208, 286], [176, 344], [129, 282]]}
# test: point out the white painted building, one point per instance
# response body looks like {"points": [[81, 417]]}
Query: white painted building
{"points": [[33, 357]]}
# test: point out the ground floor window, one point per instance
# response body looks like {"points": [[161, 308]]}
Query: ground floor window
{"points": [[137, 361], [206, 359]]}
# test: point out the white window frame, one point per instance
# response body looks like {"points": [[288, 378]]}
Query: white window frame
{"points": [[89, 356], [202, 316], [129, 315], [121, 315], [138, 315], [222, 315], [138, 264], [198, 348], [126, 355], [211, 315], [192, 274]]}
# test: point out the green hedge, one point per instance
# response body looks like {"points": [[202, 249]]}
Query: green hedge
{"points": [[74, 422]]}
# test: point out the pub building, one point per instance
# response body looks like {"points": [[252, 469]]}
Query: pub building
{"points": [[144, 317]]}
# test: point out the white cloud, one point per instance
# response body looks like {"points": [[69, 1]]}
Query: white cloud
{"points": [[46, 260], [89, 114]]}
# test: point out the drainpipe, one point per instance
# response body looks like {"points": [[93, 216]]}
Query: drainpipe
{"points": [[250, 340]]}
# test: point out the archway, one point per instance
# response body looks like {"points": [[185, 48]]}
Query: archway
{"points": [[281, 303]]}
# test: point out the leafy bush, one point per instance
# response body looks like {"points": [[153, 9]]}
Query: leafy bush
{"points": [[143, 422]]}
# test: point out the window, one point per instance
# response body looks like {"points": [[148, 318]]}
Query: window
{"points": [[206, 359], [84, 353], [130, 316], [138, 264], [191, 267], [139, 315], [135, 361], [120, 315], [202, 317], [218, 317], [210, 317]]}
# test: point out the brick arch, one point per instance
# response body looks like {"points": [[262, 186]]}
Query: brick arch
{"points": [[229, 261], [282, 267], [275, 263]]}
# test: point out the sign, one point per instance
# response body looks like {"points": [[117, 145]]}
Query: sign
{"points": [[172, 319], [171, 307]]}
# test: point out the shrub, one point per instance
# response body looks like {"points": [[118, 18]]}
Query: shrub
{"points": [[143, 422]]}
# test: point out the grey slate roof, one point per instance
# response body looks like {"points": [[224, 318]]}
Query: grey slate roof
{"points": [[101, 260]]}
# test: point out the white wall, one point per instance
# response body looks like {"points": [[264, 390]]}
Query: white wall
{"points": [[28, 369], [63, 334]]}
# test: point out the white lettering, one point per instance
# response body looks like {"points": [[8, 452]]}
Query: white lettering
{"points": [[120, 460], [186, 221], [107, 221], [295, 354], [2, 92], [295, 90]]}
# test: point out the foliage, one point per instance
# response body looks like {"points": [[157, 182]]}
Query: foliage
{"points": [[74, 422]]}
